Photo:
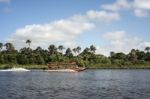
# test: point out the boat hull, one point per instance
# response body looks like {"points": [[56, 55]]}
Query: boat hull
{"points": [[66, 70]]}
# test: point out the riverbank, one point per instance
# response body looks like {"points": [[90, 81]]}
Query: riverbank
{"points": [[113, 66], [100, 66]]}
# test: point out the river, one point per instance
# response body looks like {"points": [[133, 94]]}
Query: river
{"points": [[89, 84]]}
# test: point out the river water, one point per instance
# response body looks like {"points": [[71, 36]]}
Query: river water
{"points": [[89, 84]]}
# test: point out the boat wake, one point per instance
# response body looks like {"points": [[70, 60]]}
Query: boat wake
{"points": [[62, 70], [16, 69]]}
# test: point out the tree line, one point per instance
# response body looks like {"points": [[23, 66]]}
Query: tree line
{"points": [[84, 57]]}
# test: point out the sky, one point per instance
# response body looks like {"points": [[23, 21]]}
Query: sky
{"points": [[110, 25]]}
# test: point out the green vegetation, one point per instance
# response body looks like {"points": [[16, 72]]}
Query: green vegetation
{"points": [[39, 58]]}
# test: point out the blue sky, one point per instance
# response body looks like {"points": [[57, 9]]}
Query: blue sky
{"points": [[111, 25]]}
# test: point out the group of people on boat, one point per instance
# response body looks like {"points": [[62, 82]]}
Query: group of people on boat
{"points": [[61, 65]]}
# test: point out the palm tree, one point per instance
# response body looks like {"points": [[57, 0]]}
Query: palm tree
{"points": [[60, 48], [1, 46], [78, 49], [133, 55], [68, 52], [9, 46], [147, 49], [92, 48], [85, 54], [133, 51], [38, 49], [23, 50], [74, 50], [112, 53], [86, 50], [28, 42], [52, 49]]}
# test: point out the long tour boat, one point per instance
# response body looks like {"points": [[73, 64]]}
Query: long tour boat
{"points": [[65, 67]]}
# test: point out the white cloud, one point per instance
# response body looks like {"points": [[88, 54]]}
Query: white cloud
{"points": [[119, 4], [146, 44], [140, 13], [119, 41], [142, 4], [102, 16], [118, 35], [64, 31], [4, 1], [139, 7], [99, 16]]}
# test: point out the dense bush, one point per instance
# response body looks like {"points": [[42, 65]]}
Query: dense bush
{"points": [[88, 58]]}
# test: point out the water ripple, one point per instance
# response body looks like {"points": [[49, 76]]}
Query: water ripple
{"points": [[91, 84]]}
